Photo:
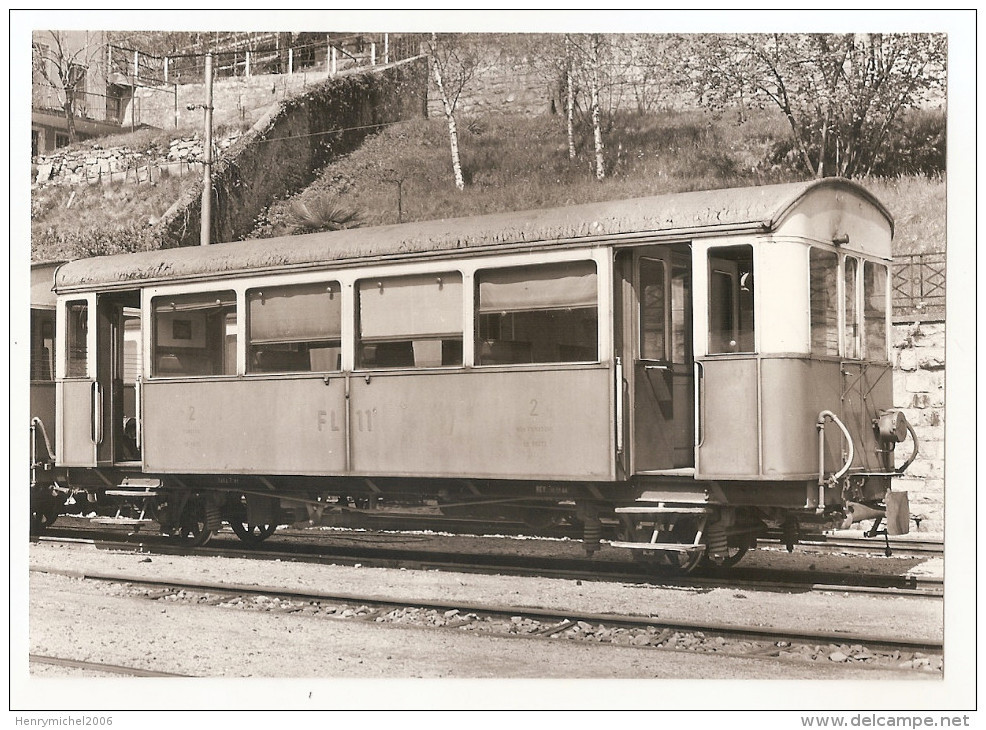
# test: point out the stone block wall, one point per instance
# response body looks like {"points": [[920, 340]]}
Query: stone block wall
{"points": [[919, 390]]}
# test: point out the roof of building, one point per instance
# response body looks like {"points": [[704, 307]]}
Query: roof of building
{"points": [[754, 209]]}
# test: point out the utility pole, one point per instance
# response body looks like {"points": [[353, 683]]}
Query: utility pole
{"points": [[207, 161]]}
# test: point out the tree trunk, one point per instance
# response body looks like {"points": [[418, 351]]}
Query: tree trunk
{"points": [[453, 134], [596, 130], [570, 99]]}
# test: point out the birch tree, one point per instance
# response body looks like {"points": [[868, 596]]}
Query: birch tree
{"points": [[454, 62]]}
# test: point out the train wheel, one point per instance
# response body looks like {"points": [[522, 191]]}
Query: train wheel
{"points": [[666, 561], [44, 514], [194, 528], [237, 514], [252, 534], [733, 556]]}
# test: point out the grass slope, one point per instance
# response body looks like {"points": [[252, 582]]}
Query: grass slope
{"points": [[509, 162]]}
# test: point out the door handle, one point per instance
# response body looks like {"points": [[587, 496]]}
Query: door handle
{"points": [[699, 404], [97, 413]]}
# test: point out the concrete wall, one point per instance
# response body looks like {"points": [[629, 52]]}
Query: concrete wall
{"points": [[919, 389]]}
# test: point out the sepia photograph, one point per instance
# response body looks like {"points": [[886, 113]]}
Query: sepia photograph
{"points": [[492, 360]]}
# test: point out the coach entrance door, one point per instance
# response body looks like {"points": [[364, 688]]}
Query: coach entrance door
{"points": [[657, 341], [117, 368]]}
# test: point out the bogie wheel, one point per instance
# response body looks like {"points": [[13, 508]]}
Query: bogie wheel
{"points": [[733, 556], [666, 561], [194, 530], [251, 534], [44, 515]]}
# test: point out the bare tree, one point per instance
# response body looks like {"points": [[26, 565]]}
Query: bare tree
{"points": [[454, 62], [62, 61], [841, 93]]}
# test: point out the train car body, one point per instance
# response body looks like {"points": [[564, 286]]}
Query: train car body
{"points": [[47, 496], [696, 365]]}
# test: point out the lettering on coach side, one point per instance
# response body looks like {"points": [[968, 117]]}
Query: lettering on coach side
{"points": [[326, 418]]}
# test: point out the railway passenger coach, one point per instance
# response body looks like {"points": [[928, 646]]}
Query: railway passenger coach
{"points": [[698, 367]]}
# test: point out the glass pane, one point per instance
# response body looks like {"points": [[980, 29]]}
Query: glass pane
{"points": [[195, 334], [681, 321], [537, 314], [852, 314], [131, 347], [76, 344], [302, 313], [410, 321], [875, 310], [823, 283], [731, 299], [42, 345], [652, 310], [295, 328]]}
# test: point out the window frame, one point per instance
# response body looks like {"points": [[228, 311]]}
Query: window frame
{"points": [[713, 252], [332, 285], [151, 368], [440, 277], [839, 302], [477, 310]]}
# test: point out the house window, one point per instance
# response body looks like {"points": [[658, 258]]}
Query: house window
{"points": [[731, 299], [410, 321], [195, 334], [823, 291], [537, 314], [875, 310], [295, 328]]}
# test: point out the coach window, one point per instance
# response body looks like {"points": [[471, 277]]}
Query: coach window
{"points": [[195, 334], [42, 344], [851, 274], [824, 293], [875, 310], [731, 299], [410, 321], [537, 314], [76, 340], [652, 315], [294, 328]]}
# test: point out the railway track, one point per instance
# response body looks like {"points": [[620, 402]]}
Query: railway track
{"points": [[645, 632], [100, 667], [372, 549]]}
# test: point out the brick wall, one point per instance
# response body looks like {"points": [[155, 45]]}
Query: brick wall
{"points": [[919, 390]]}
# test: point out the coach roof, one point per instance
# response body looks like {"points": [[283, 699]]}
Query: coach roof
{"points": [[753, 209]]}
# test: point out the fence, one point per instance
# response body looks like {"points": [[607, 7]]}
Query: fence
{"points": [[252, 54], [918, 283]]}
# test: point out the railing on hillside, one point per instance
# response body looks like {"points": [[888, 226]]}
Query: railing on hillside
{"points": [[253, 54], [918, 283]]}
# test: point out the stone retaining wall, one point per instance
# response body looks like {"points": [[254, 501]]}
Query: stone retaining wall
{"points": [[919, 390]]}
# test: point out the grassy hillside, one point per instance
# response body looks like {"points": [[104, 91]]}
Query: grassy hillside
{"points": [[509, 162], [515, 164]]}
